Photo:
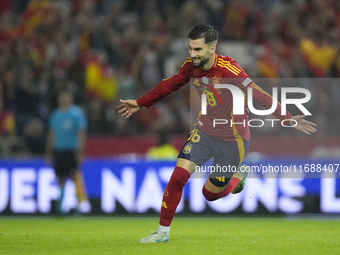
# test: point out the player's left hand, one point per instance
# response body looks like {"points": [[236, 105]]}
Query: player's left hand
{"points": [[303, 125]]}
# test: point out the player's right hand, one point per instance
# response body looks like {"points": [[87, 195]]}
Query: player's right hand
{"points": [[129, 107]]}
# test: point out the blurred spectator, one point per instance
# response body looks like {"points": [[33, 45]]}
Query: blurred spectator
{"points": [[164, 150], [96, 119], [34, 136], [26, 100]]}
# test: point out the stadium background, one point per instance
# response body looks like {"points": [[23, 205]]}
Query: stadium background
{"points": [[103, 50]]}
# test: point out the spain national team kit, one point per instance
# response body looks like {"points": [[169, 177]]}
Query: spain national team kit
{"points": [[228, 144]]}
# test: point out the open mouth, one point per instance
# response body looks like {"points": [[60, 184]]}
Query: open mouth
{"points": [[196, 60]]}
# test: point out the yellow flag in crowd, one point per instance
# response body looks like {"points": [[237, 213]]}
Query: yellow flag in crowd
{"points": [[100, 81]]}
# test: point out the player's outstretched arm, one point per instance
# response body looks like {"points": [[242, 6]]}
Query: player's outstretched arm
{"points": [[128, 107], [303, 125]]}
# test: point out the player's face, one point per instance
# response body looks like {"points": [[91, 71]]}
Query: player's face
{"points": [[200, 52]]}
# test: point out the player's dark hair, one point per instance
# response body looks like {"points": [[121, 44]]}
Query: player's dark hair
{"points": [[209, 33]]}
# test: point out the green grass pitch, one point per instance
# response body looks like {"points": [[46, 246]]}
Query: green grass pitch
{"points": [[209, 236]]}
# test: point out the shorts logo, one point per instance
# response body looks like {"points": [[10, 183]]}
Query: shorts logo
{"points": [[166, 193], [221, 179], [187, 148]]}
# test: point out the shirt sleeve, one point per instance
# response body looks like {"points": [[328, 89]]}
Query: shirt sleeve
{"points": [[243, 81], [263, 98], [165, 87]]}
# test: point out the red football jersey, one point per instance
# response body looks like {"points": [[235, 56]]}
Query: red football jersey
{"points": [[224, 70]]}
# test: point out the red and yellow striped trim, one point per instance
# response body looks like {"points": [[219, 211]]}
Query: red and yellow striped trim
{"points": [[227, 65], [188, 60], [216, 58]]}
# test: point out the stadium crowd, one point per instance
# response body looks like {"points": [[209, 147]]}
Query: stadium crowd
{"points": [[103, 50]]}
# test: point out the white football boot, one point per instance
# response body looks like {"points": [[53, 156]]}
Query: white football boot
{"points": [[156, 237]]}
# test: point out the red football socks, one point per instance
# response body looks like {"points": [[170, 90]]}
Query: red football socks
{"points": [[173, 194], [210, 196]]}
